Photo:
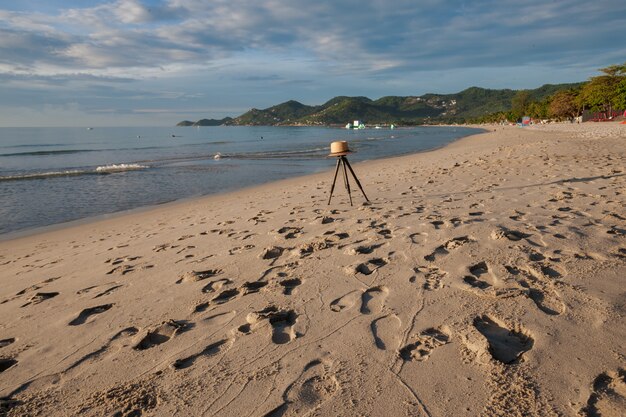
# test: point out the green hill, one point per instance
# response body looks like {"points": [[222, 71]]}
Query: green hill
{"points": [[285, 113], [428, 108], [206, 122]]}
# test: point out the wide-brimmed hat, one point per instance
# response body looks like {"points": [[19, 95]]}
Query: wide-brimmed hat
{"points": [[339, 148]]}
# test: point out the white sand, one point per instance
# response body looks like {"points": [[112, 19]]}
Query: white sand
{"points": [[486, 278]]}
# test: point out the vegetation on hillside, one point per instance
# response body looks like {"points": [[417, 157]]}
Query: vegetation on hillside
{"points": [[603, 93], [412, 110], [206, 122]]}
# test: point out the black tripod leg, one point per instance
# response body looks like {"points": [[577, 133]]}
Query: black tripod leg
{"points": [[345, 177], [356, 179], [332, 188]]}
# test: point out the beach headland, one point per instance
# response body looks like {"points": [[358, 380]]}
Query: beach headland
{"points": [[484, 278]]}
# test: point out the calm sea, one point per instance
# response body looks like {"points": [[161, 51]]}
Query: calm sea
{"points": [[54, 175]]}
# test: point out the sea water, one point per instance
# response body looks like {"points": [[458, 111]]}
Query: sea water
{"points": [[54, 175]]}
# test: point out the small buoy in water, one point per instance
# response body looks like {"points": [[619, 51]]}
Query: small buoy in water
{"points": [[217, 156]]}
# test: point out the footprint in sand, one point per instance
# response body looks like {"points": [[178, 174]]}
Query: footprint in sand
{"points": [[215, 285], [220, 318], [373, 299], [30, 289], [93, 287], [252, 287], [210, 350], [108, 291], [614, 230], [433, 277], [513, 235], [608, 397], [119, 340], [240, 249], [272, 252], [364, 249], [315, 385], [122, 270], [550, 271], [225, 296], [6, 363], [89, 312], [289, 232], [162, 334], [620, 253], [474, 282], [6, 342], [289, 285], [386, 332], [40, 297], [418, 238], [201, 307], [346, 301], [538, 290], [546, 300], [505, 345], [195, 276], [447, 247], [335, 237], [479, 269], [307, 249], [424, 344], [282, 322], [438, 224], [371, 266]]}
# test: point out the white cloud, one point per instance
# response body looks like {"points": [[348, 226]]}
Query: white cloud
{"points": [[376, 35], [338, 46], [131, 11]]}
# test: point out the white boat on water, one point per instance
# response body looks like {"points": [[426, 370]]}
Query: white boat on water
{"points": [[356, 125]]}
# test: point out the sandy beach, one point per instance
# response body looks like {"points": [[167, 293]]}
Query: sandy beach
{"points": [[485, 278]]}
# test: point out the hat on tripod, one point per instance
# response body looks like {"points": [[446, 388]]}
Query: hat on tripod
{"points": [[339, 148]]}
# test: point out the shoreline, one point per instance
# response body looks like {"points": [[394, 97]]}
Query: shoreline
{"points": [[472, 284], [24, 233]]}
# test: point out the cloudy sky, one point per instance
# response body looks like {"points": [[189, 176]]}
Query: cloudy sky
{"points": [[156, 62]]}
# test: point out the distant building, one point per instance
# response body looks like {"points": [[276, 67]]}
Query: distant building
{"points": [[601, 116]]}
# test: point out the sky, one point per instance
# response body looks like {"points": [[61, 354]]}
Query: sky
{"points": [[157, 62]]}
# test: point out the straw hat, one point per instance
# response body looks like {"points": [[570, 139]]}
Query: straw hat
{"points": [[339, 148]]}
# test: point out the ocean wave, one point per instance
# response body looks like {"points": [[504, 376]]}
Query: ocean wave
{"points": [[120, 168], [302, 153], [101, 170], [47, 153], [40, 145]]}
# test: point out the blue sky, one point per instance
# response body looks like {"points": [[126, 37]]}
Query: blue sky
{"points": [[156, 62]]}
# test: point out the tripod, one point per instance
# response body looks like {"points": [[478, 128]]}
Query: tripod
{"points": [[343, 162]]}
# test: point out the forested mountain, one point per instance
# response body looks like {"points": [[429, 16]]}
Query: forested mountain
{"points": [[460, 107]]}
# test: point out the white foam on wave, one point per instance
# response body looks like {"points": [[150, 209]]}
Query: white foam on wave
{"points": [[120, 167], [41, 175], [102, 170]]}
